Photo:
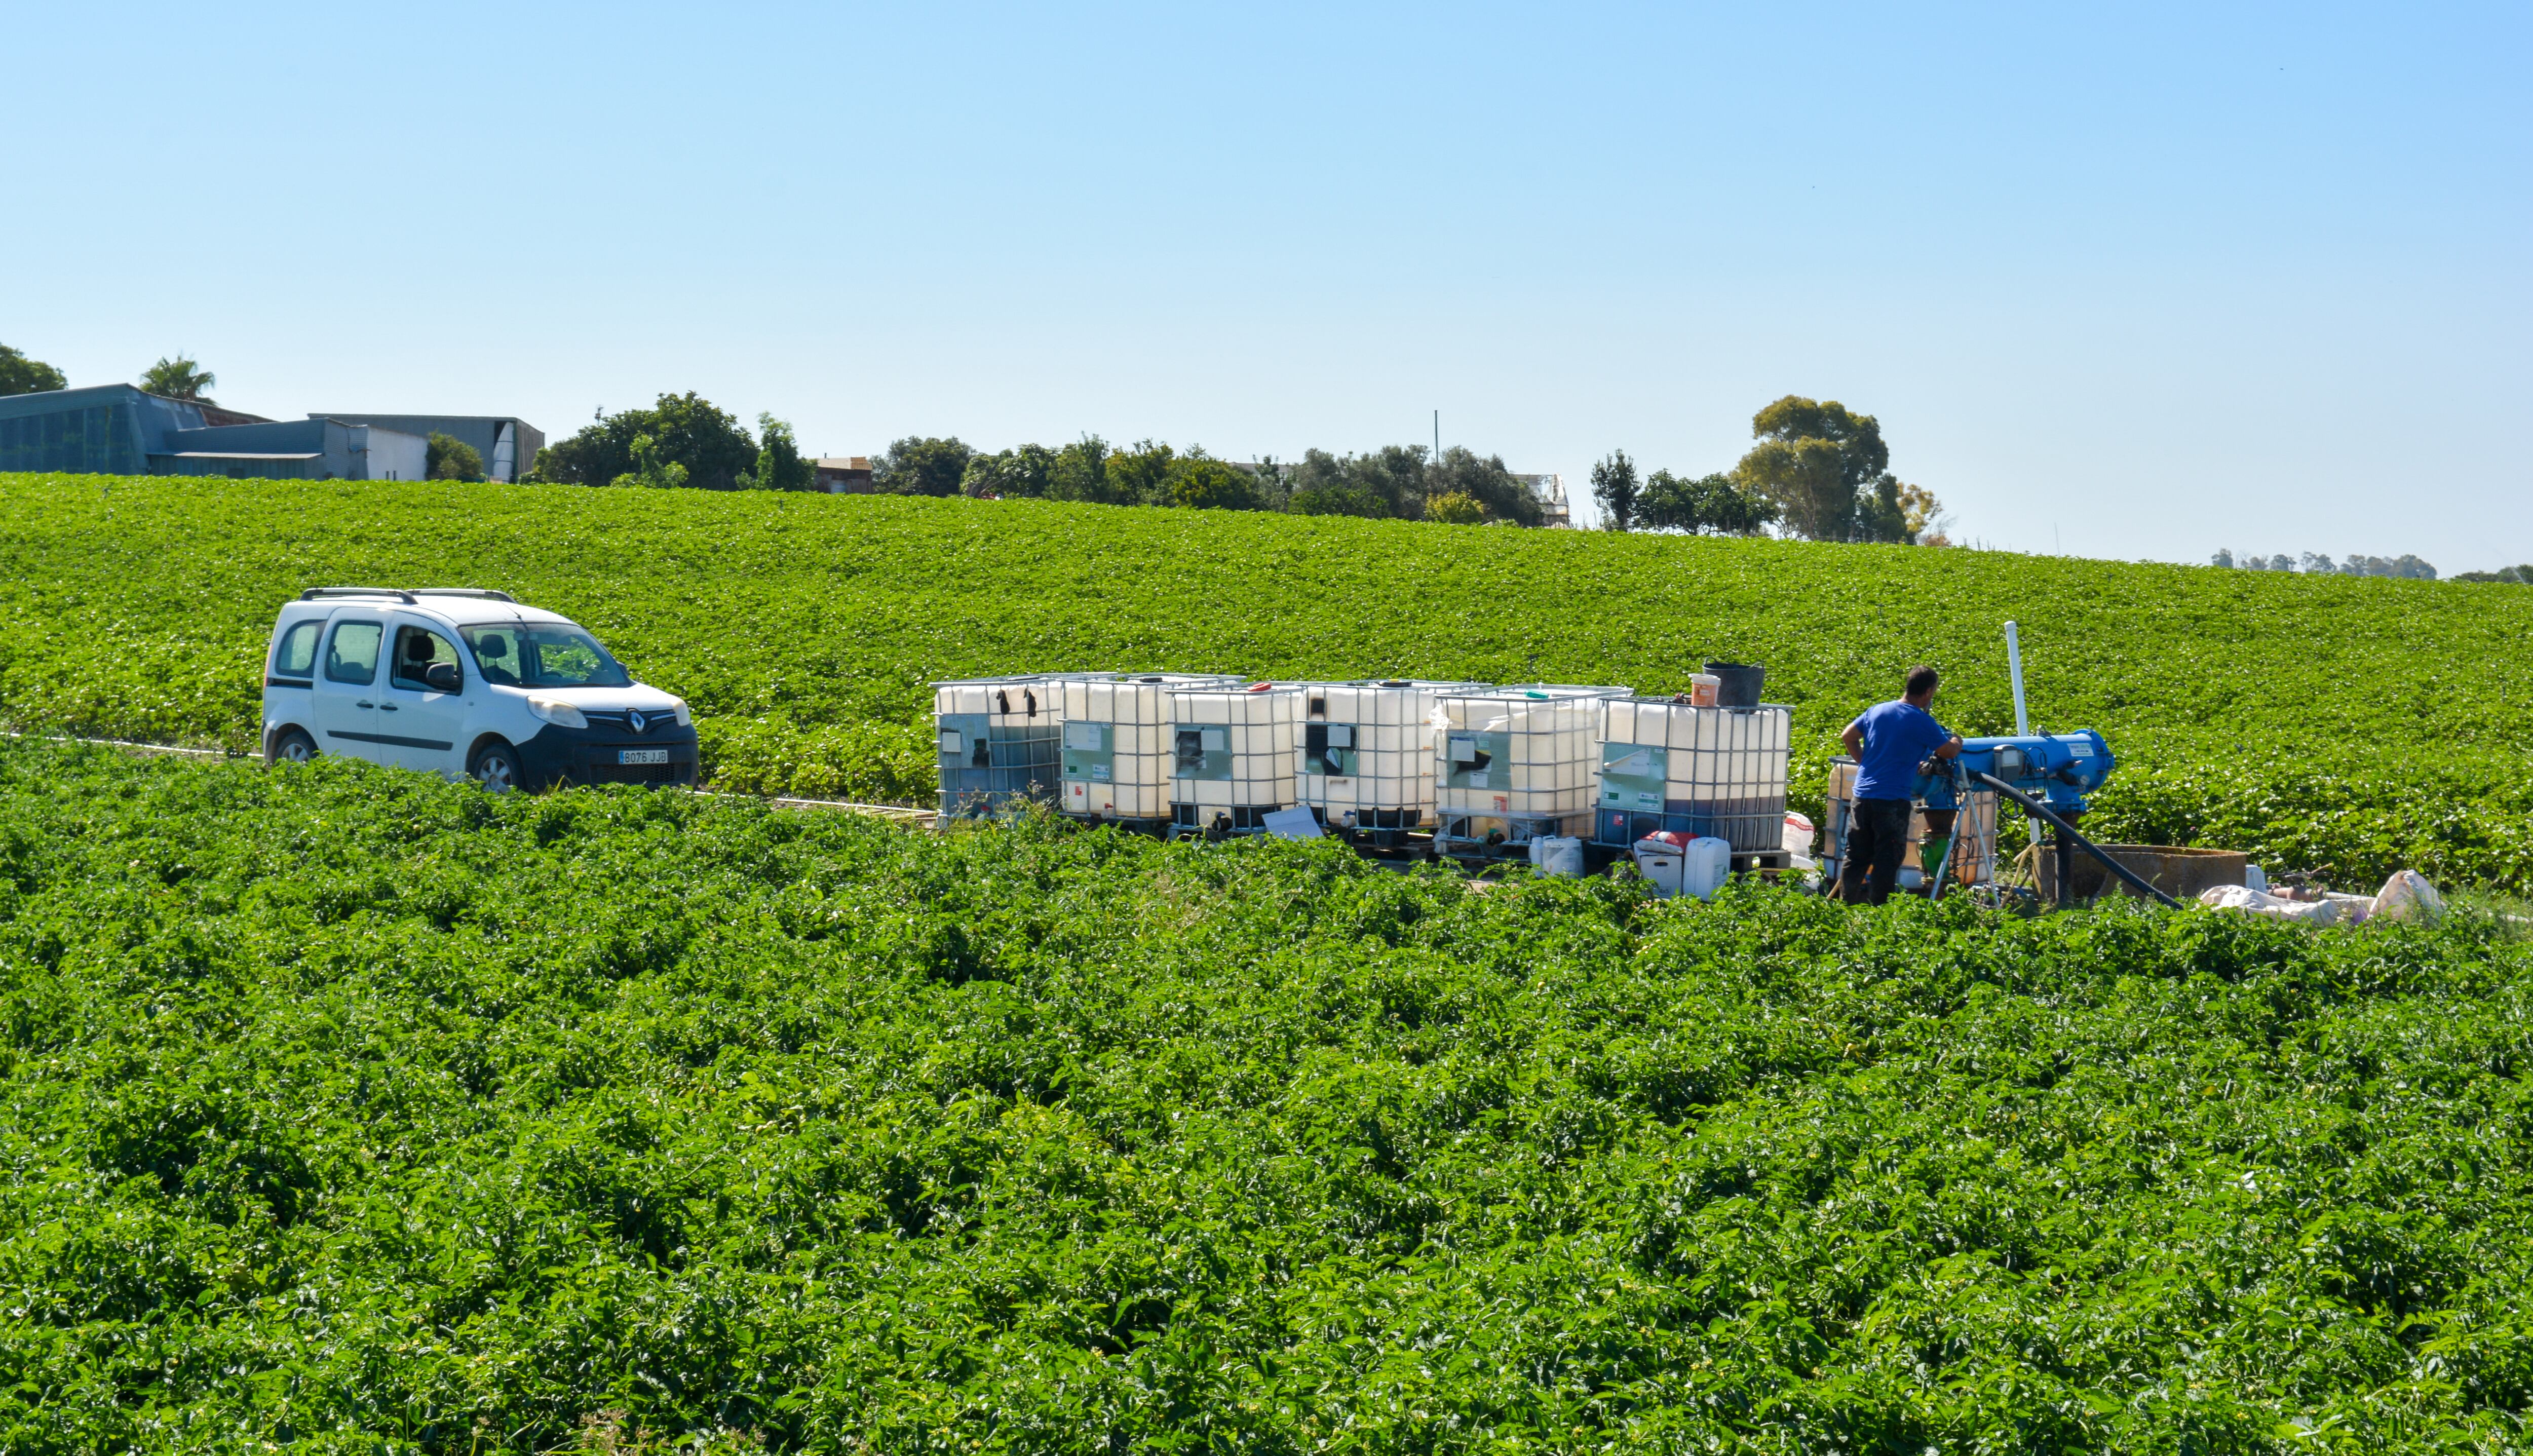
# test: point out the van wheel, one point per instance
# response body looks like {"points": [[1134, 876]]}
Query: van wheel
{"points": [[496, 767], [291, 747]]}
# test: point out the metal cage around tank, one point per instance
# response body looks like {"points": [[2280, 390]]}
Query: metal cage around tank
{"points": [[1364, 753], [1515, 764], [1232, 757], [1666, 763], [995, 741], [1115, 760], [1973, 852]]}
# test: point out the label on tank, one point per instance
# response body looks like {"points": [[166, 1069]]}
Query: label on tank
{"points": [[1633, 775]]}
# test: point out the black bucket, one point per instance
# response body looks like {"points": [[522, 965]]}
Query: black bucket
{"points": [[1736, 685]]}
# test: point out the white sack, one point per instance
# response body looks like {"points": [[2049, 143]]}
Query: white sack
{"points": [[2408, 895], [2253, 901]]}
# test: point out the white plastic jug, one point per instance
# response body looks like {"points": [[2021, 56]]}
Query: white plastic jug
{"points": [[1705, 865], [1561, 855]]}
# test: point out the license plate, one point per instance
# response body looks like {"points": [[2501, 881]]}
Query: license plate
{"points": [[642, 755]]}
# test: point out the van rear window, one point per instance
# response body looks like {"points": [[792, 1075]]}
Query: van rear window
{"points": [[297, 655]]}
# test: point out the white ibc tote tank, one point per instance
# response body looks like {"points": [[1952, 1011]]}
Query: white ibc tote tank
{"points": [[1516, 760], [1231, 754], [1116, 758], [1666, 763], [995, 740], [1365, 751]]}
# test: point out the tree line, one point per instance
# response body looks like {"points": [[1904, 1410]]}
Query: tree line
{"points": [[1820, 472], [1394, 481], [2320, 563], [685, 440]]}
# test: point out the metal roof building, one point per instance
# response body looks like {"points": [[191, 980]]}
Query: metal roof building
{"points": [[509, 445], [119, 429]]}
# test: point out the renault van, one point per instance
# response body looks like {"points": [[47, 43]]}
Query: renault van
{"points": [[458, 680]]}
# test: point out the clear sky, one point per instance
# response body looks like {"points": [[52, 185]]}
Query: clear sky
{"points": [[2122, 281]]}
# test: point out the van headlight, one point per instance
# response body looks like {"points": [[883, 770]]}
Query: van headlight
{"points": [[685, 715], [559, 713]]}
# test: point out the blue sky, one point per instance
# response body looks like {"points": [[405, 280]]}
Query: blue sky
{"points": [[2132, 283]]}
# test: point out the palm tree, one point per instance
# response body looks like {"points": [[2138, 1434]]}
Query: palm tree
{"points": [[179, 378]]}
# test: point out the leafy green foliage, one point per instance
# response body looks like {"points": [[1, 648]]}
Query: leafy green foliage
{"points": [[1826, 470], [1386, 482], [690, 431], [448, 458], [1337, 500], [920, 466], [2345, 726], [1615, 488], [1202, 483], [1024, 473], [1484, 479], [348, 1108], [1075, 472], [779, 464], [20, 375], [179, 378], [652, 470], [1710, 503]]}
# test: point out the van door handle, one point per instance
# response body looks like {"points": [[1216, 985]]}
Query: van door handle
{"points": [[388, 707], [365, 703]]}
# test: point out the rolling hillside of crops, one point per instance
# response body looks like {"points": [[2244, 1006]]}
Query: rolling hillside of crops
{"points": [[345, 1109], [2345, 726]]}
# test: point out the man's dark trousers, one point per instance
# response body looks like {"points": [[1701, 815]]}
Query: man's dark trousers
{"points": [[1877, 838]]}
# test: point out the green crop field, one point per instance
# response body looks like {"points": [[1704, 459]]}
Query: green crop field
{"points": [[2345, 725], [346, 1110]]}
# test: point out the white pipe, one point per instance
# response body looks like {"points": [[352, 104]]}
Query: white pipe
{"points": [[2013, 665]]}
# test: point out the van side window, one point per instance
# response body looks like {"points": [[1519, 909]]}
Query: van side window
{"points": [[418, 650], [297, 655], [353, 654]]}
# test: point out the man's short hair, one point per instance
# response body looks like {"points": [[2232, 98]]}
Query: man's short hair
{"points": [[1923, 679]]}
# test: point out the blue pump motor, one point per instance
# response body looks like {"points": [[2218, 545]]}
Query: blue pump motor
{"points": [[2057, 769]]}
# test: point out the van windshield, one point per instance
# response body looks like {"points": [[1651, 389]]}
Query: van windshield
{"points": [[542, 655]]}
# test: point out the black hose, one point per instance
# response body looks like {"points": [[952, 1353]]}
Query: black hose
{"points": [[2035, 807]]}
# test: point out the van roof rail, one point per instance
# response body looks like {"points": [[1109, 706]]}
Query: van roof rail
{"points": [[320, 594], [486, 594]]}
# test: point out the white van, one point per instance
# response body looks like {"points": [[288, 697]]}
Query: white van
{"points": [[459, 680]]}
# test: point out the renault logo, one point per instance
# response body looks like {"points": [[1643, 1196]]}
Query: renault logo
{"points": [[640, 723]]}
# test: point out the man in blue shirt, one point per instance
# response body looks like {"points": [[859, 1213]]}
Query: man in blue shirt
{"points": [[1887, 741]]}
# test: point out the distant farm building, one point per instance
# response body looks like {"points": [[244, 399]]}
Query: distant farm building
{"points": [[507, 445], [1550, 492], [845, 475], [119, 429]]}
